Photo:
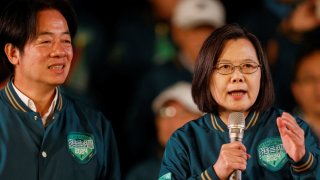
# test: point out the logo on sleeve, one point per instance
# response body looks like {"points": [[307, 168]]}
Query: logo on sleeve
{"points": [[166, 176], [81, 146], [272, 154]]}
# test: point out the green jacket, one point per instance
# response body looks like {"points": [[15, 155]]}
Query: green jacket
{"points": [[193, 149], [78, 144]]}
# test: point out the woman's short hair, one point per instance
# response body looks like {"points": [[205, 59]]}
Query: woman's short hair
{"points": [[207, 61]]}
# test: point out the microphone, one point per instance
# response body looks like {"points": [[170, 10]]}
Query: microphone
{"points": [[236, 125]]}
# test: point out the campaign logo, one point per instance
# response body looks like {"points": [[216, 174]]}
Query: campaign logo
{"points": [[272, 154], [81, 146], [166, 176]]}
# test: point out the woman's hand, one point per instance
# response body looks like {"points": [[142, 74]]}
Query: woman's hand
{"points": [[232, 157], [292, 136]]}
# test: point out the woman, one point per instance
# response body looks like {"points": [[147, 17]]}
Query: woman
{"points": [[232, 75]]}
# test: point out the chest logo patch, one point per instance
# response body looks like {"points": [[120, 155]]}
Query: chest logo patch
{"points": [[81, 146], [272, 154], [166, 176]]}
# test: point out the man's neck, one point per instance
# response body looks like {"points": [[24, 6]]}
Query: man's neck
{"points": [[42, 97], [311, 117]]}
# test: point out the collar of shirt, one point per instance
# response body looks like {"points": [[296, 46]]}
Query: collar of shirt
{"points": [[27, 101]]}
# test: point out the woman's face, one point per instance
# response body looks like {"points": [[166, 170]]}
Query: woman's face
{"points": [[236, 91]]}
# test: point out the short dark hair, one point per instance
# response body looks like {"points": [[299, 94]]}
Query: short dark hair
{"points": [[18, 22], [307, 49], [207, 61]]}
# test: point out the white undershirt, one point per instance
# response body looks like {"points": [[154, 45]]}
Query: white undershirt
{"points": [[28, 102]]}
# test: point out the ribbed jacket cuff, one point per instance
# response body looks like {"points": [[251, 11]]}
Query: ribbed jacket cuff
{"points": [[305, 164], [209, 174]]}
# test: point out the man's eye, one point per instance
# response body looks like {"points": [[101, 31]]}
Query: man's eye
{"points": [[45, 42], [67, 41]]}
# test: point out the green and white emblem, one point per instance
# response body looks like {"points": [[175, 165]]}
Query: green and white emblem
{"points": [[272, 154], [166, 176], [81, 146]]}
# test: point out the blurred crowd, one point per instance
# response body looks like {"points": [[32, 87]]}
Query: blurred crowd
{"points": [[134, 61]]}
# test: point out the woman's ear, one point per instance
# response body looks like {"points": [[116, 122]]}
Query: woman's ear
{"points": [[12, 53]]}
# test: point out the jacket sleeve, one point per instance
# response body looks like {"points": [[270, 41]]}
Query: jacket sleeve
{"points": [[175, 164], [112, 169], [308, 166]]}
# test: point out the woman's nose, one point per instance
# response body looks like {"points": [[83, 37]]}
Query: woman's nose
{"points": [[237, 75]]}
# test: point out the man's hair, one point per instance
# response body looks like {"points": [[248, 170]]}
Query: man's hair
{"points": [[207, 61], [307, 48], [18, 22]]}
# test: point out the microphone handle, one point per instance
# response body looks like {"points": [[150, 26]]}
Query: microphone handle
{"points": [[235, 175]]}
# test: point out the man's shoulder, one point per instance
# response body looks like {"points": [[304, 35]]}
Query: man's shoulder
{"points": [[2, 97], [80, 102]]}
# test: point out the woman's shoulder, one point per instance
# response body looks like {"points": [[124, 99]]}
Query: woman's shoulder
{"points": [[274, 112], [197, 124], [194, 128]]}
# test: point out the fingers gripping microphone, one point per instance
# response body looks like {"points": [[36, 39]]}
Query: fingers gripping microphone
{"points": [[236, 125]]}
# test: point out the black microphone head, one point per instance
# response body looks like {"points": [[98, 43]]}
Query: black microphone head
{"points": [[236, 120]]}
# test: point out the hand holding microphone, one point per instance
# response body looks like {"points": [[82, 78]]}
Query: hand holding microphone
{"points": [[236, 125], [233, 157]]}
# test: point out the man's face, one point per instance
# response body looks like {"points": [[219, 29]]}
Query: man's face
{"points": [[306, 89], [163, 9], [190, 40], [173, 116], [46, 59]]}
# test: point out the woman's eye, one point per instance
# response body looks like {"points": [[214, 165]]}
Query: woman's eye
{"points": [[248, 65], [226, 66]]}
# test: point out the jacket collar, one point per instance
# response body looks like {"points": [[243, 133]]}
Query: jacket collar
{"points": [[219, 125], [18, 104]]}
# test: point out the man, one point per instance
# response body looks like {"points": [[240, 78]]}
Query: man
{"points": [[306, 87], [173, 107], [44, 134]]}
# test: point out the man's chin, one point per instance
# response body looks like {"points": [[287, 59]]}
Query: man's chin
{"points": [[56, 83]]}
